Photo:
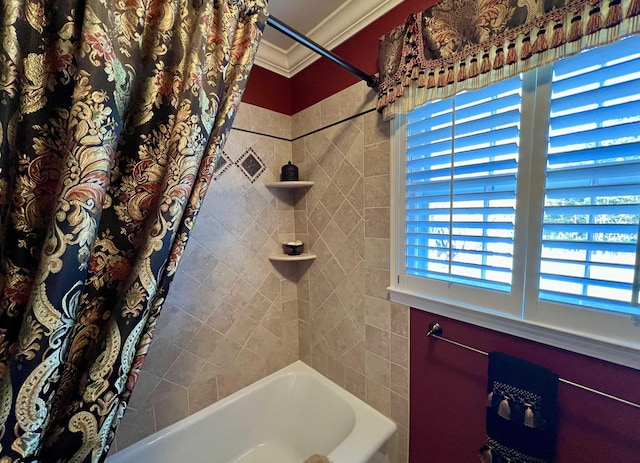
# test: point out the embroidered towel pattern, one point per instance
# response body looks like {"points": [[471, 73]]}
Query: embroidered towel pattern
{"points": [[521, 410]]}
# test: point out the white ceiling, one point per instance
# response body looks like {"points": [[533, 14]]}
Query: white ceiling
{"points": [[327, 22]]}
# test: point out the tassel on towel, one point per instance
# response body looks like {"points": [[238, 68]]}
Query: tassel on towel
{"points": [[529, 417], [504, 410]]}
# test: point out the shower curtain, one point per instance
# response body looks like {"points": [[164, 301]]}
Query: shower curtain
{"points": [[112, 114]]}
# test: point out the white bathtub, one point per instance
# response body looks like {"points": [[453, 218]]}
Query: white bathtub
{"points": [[283, 418]]}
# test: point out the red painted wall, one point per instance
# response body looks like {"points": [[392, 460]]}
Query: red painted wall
{"points": [[323, 78], [448, 384], [268, 90]]}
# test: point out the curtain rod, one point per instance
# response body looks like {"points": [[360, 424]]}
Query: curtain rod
{"points": [[372, 81], [435, 331]]}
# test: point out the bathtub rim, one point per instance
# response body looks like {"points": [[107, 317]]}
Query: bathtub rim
{"points": [[370, 427]]}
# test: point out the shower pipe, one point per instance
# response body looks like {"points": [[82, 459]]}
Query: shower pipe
{"points": [[435, 331], [372, 81]]}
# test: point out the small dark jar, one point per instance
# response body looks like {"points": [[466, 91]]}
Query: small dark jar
{"points": [[289, 173]]}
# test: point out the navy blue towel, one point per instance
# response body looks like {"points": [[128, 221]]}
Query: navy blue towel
{"points": [[522, 410]]}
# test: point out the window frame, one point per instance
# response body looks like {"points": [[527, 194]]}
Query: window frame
{"points": [[568, 327]]}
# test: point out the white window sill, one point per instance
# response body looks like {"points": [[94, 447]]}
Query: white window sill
{"points": [[605, 349]]}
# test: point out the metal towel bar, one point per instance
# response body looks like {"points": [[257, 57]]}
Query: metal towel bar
{"points": [[435, 331]]}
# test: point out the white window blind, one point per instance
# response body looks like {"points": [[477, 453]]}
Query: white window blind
{"points": [[522, 200], [461, 178], [589, 250]]}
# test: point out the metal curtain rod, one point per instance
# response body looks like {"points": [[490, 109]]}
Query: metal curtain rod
{"points": [[435, 331], [372, 81]]}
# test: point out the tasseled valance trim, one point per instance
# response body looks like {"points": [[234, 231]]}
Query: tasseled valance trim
{"points": [[433, 56]]}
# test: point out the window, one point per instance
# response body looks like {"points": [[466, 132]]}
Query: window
{"points": [[523, 198]]}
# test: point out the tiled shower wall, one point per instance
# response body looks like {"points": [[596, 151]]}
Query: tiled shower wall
{"points": [[349, 331], [233, 316]]}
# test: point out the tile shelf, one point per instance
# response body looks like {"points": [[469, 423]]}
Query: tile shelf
{"points": [[291, 184], [288, 258], [285, 257]]}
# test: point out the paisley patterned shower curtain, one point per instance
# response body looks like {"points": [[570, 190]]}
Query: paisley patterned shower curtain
{"points": [[112, 113]]}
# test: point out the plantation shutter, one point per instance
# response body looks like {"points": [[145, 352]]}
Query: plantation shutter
{"points": [[461, 178], [589, 248]]}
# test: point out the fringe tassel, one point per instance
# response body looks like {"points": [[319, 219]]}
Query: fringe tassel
{"points": [[634, 9], [576, 29], [473, 71], [595, 21], [392, 95], [421, 81], [399, 90], [512, 54], [614, 16], [498, 62], [431, 80], [540, 44], [406, 80], [462, 72], [526, 49], [529, 417], [383, 101], [415, 73], [450, 77], [486, 64], [442, 79], [485, 454], [504, 410], [559, 37]]}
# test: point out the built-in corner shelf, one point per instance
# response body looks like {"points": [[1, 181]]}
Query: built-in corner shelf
{"points": [[288, 258], [291, 184]]}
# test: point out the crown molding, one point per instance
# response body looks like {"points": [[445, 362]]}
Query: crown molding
{"points": [[347, 20]]}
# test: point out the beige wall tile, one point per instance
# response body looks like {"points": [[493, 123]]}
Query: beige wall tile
{"points": [[138, 425], [161, 356], [225, 354], [182, 329], [375, 129], [377, 159], [400, 319], [399, 349], [205, 342], [400, 409], [376, 253], [377, 313], [145, 385], [355, 383], [198, 304], [376, 191], [377, 341], [377, 222], [334, 273], [347, 217], [347, 256], [377, 281], [203, 390], [379, 397], [184, 369], [348, 295], [400, 380], [377, 369], [170, 404], [182, 288]]}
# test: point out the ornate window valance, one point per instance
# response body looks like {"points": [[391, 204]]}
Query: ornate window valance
{"points": [[467, 44]]}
